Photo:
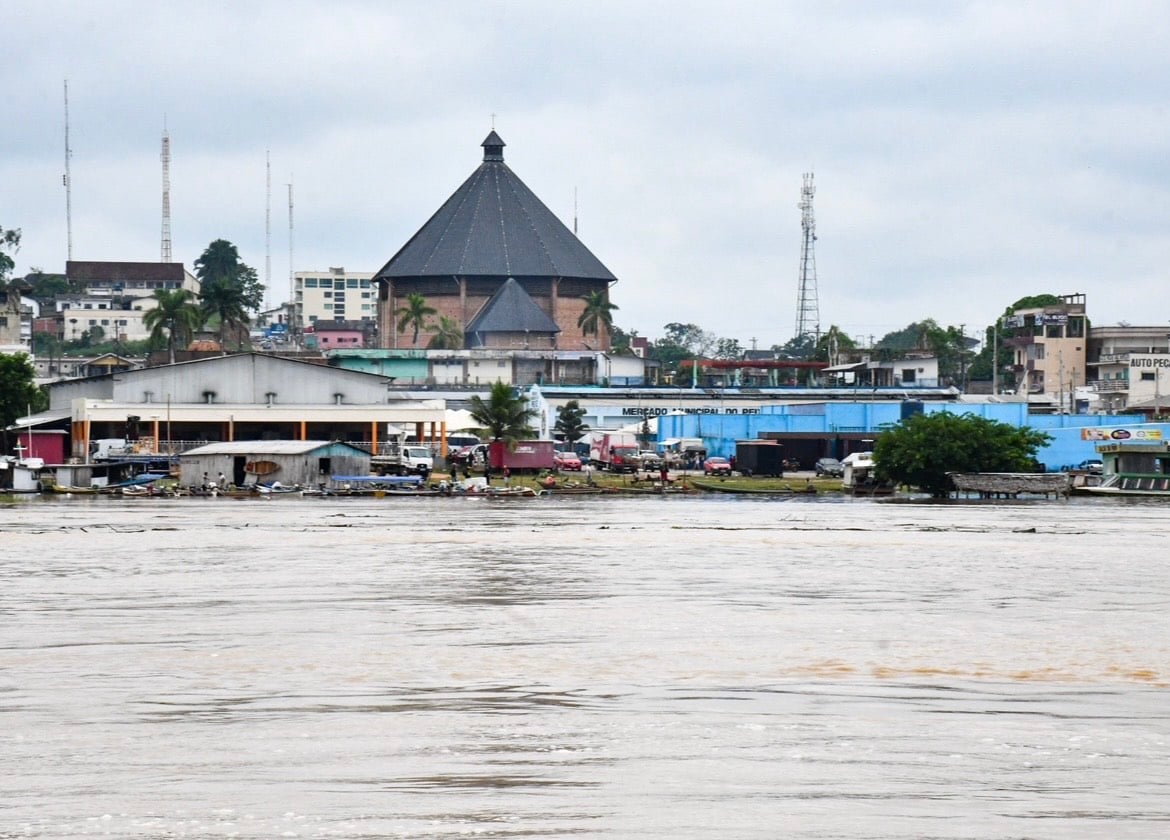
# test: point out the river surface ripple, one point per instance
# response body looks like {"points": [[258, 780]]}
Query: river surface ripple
{"points": [[693, 667]]}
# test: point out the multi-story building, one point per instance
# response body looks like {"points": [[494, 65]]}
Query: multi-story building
{"points": [[1130, 368], [333, 295], [1050, 348], [115, 297]]}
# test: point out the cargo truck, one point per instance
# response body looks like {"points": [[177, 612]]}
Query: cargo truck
{"points": [[617, 452], [526, 455]]}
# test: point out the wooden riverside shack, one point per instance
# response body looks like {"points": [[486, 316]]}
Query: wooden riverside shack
{"points": [[291, 462], [1011, 485]]}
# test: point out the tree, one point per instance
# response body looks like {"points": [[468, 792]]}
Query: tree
{"points": [[920, 450], [447, 335], [220, 262], [798, 347], [18, 393], [9, 241], [224, 300], [728, 348], [598, 313], [569, 422], [504, 416], [948, 345], [832, 345], [414, 314], [682, 341], [176, 314], [228, 289]]}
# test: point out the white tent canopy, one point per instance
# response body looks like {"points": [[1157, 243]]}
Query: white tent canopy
{"points": [[459, 420]]}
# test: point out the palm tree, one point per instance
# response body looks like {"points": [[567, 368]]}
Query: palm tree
{"points": [[176, 313], [225, 300], [414, 313], [503, 416], [597, 314], [447, 335], [220, 259]]}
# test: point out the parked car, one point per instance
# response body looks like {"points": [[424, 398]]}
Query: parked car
{"points": [[716, 466], [829, 466], [649, 459], [1093, 465], [566, 461]]}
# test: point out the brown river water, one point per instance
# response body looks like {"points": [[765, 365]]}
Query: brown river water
{"points": [[690, 667]]}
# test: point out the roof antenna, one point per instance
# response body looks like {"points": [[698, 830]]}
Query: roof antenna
{"points": [[574, 211]]}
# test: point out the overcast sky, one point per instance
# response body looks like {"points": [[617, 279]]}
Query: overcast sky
{"points": [[965, 154]]}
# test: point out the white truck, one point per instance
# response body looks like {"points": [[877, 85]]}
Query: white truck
{"points": [[394, 457]]}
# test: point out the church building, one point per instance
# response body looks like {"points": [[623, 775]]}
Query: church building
{"points": [[497, 264]]}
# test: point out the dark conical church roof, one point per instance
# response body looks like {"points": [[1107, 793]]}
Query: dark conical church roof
{"points": [[512, 310], [493, 225]]}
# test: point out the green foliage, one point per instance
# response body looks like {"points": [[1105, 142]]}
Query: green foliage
{"points": [[947, 344], [447, 335], [833, 345], [728, 348], [799, 347], [228, 291], [569, 421], [174, 316], [923, 448], [9, 241], [18, 393], [45, 287], [504, 415], [414, 313], [598, 312]]}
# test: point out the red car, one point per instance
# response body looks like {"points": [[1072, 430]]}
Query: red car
{"points": [[716, 466], [566, 461]]}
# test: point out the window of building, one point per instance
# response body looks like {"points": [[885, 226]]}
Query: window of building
{"points": [[312, 318], [328, 306], [365, 295], [365, 284], [907, 374], [105, 322], [310, 282], [339, 284], [329, 294], [1148, 376], [3, 320], [351, 283], [1054, 331]]}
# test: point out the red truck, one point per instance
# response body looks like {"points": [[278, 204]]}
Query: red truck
{"points": [[534, 455], [617, 451]]}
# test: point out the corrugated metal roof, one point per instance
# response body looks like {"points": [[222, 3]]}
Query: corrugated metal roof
{"points": [[494, 226], [511, 310], [263, 447]]}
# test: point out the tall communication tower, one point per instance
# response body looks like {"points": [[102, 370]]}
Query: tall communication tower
{"points": [[808, 317], [68, 182], [292, 286], [267, 230], [166, 195]]}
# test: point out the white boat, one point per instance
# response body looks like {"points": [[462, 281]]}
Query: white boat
{"points": [[858, 476], [1133, 468]]}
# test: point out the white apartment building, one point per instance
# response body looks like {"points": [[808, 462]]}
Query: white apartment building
{"points": [[333, 295], [1130, 367]]}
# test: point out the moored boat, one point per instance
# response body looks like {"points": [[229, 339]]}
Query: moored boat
{"points": [[1133, 468]]}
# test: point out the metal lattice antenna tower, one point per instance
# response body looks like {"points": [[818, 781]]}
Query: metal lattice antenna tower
{"points": [[808, 317], [267, 229], [166, 194], [68, 182]]}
